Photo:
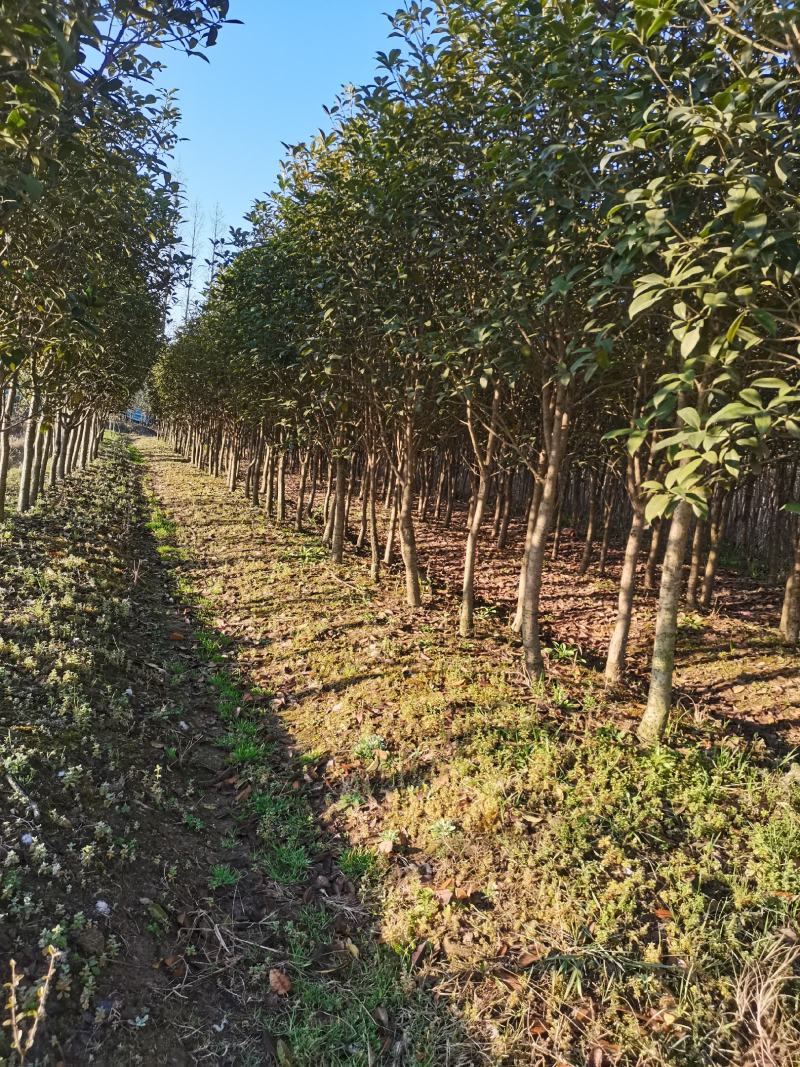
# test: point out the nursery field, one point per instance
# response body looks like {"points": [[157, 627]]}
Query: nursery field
{"points": [[400, 575], [263, 813]]}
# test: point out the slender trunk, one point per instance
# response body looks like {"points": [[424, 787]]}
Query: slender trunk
{"points": [[790, 614], [467, 620], [659, 697], [374, 543], [408, 543], [281, 478], [38, 454], [451, 496], [607, 513], [338, 511], [66, 433], [437, 507], [716, 532], [41, 470], [362, 524], [588, 546], [6, 414], [694, 567], [23, 497], [652, 556], [327, 510], [534, 663], [618, 646], [314, 479], [530, 526], [508, 501], [391, 533], [301, 492]]}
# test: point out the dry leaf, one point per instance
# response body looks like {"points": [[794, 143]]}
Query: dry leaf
{"points": [[529, 957], [279, 983], [417, 954]]}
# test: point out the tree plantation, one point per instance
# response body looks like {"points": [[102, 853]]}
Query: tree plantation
{"points": [[424, 687]]}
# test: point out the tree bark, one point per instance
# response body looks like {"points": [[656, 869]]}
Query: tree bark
{"points": [[6, 414], [694, 566], [408, 543], [466, 625], [659, 698], [790, 614], [618, 646], [531, 641], [716, 532], [23, 497], [339, 511]]}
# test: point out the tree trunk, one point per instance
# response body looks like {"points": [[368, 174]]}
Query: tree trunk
{"points": [[327, 510], [374, 542], [530, 525], [390, 533], [23, 497], [339, 511], [659, 697], [652, 556], [6, 414], [534, 663], [608, 511], [790, 615], [618, 646], [508, 503], [281, 479], [466, 625], [586, 557], [408, 543], [694, 567], [301, 492], [714, 541]]}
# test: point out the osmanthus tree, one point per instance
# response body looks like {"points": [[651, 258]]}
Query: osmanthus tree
{"points": [[59, 60], [88, 214], [711, 241], [525, 266]]}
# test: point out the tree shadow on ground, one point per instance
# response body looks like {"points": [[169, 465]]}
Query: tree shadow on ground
{"points": [[236, 927]]}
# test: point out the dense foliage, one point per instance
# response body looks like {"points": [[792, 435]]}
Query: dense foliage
{"points": [[89, 250], [550, 251]]}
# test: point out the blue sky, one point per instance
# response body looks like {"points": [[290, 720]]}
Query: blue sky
{"points": [[266, 83]]}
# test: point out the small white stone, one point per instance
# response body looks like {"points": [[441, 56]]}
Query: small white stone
{"points": [[184, 726], [102, 908]]}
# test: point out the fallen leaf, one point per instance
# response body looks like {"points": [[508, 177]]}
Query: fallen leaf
{"points": [[279, 983], [662, 913], [386, 847], [528, 958], [417, 953]]}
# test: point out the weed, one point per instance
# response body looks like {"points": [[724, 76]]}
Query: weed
{"points": [[222, 875]]}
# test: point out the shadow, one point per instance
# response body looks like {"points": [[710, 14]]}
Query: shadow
{"points": [[222, 870]]}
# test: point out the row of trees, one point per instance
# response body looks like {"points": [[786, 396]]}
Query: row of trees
{"points": [[550, 254], [89, 216]]}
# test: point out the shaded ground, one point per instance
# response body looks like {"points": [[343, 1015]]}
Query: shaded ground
{"points": [[730, 661], [157, 828]]}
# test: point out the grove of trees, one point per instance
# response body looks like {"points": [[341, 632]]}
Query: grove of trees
{"points": [[547, 263], [89, 216]]}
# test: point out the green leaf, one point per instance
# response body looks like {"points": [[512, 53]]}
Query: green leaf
{"points": [[656, 506]]}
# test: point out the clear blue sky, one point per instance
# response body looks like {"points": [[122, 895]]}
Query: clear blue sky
{"points": [[266, 83]]}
